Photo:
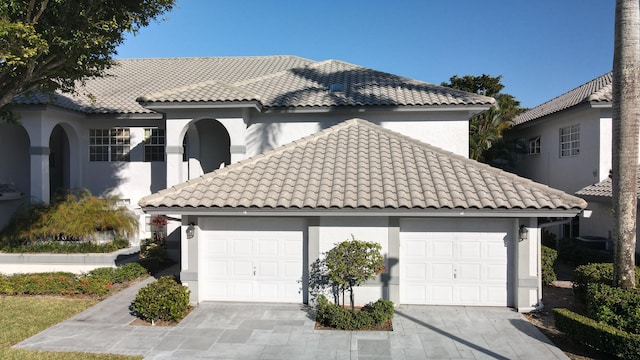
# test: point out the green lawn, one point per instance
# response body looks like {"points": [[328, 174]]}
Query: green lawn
{"points": [[23, 316]]}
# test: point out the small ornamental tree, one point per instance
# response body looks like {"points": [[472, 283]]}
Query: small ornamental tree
{"points": [[352, 262]]}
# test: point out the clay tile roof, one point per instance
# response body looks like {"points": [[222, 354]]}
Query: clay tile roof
{"points": [[597, 90], [273, 81], [602, 190], [359, 165]]}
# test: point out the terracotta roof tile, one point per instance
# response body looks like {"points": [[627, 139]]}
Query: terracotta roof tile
{"points": [[359, 165]]}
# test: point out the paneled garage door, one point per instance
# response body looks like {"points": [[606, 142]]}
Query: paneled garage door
{"points": [[250, 260], [454, 262]]}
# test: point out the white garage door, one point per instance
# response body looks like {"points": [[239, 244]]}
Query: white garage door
{"points": [[454, 262], [250, 260]]}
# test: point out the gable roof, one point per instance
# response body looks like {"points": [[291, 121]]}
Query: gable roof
{"points": [[602, 191], [267, 81], [359, 165], [597, 90]]}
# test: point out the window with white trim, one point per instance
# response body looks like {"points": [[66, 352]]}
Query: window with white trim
{"points": [[570, 141], [534, 145], [109, 144], [154, 144]]}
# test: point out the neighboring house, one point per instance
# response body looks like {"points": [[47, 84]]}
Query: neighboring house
{"points": [[154, 123], [453, 231], [568, 142], [450, 227], [599, 225]]}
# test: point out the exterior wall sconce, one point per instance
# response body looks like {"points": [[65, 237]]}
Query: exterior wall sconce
{"points": [[191, 231], [523, 233]]}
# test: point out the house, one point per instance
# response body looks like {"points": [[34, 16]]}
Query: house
{"points": [[453, 231], [569, 148], [154, 123], [266, 162]]}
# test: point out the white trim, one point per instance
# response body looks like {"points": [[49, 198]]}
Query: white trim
{"points": [[515, 213]]}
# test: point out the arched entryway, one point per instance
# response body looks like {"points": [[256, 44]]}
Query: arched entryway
{"points": [[59, 173], [206, 147]]}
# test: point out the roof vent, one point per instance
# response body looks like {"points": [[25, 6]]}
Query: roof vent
{"points": [[337, 88]]}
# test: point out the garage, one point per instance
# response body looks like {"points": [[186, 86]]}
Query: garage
{"points": [[255, 260], [454, 261]]}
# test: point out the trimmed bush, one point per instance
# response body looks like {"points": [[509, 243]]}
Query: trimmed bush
{"points": [[120, 274], [549, 257], [598, 335], [164, 299], [614, 306], [56, 283], [66, 247], [371, 315], [597, 273]]}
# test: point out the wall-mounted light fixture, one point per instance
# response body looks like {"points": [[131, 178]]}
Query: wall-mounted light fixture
{"points": [[523, 233], [191, 231]]}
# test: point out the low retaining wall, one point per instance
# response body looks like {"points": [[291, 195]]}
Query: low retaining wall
{"points": [[75, 263]]}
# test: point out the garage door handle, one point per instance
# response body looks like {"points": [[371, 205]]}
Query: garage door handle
{"points": [[254, 271], [455, 274]]}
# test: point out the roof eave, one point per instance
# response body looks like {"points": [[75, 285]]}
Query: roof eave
{"points": [[367, 108], [471, 213], [160, 106]]}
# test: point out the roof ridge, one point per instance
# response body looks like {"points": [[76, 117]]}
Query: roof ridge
{"points": [[272, 75]]}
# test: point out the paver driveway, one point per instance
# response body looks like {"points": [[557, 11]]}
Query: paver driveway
{"points": [[286, 331]]}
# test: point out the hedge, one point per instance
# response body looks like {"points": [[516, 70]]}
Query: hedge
{"points": [[614, 306], [337, 317], [598, 273], [598, 335], [97, 282]]}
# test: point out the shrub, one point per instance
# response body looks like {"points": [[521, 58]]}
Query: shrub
{"points": [[371, 315], [56, 283], [164, 299], [120, 274], [66, 247], [614, 306], [597, 273], [597, 335], [549, 257], [75, 217]]}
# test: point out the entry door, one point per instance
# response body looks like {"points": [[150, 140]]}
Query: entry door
{"points": [[242, 263]]}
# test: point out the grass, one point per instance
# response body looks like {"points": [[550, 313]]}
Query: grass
{"points": [[24, 316]]}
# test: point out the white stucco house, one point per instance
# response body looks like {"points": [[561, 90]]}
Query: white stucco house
{"points": [[569, 148], [265, 162]]}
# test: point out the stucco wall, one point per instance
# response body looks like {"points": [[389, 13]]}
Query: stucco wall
{"points": [[571, 173]]}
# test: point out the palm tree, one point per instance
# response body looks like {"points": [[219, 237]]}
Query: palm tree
{"points": [[626, 112]]}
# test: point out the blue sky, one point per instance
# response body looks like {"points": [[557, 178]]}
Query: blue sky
{"points": [[542, 48]]}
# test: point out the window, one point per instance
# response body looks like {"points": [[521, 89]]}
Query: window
{"points": [[534, 145], [570, 141], [109, 144], [153, 144]]}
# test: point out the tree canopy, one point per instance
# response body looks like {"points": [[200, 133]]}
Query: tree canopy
{"points": [[485, 131], [48, 45]]}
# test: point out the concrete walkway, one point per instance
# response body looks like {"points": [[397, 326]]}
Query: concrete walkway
{"points": [[285, 331]]}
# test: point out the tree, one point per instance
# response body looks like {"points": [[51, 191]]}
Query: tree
{"points": [[626, 113], [352, 262], [49, 45], [486, 128]]}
